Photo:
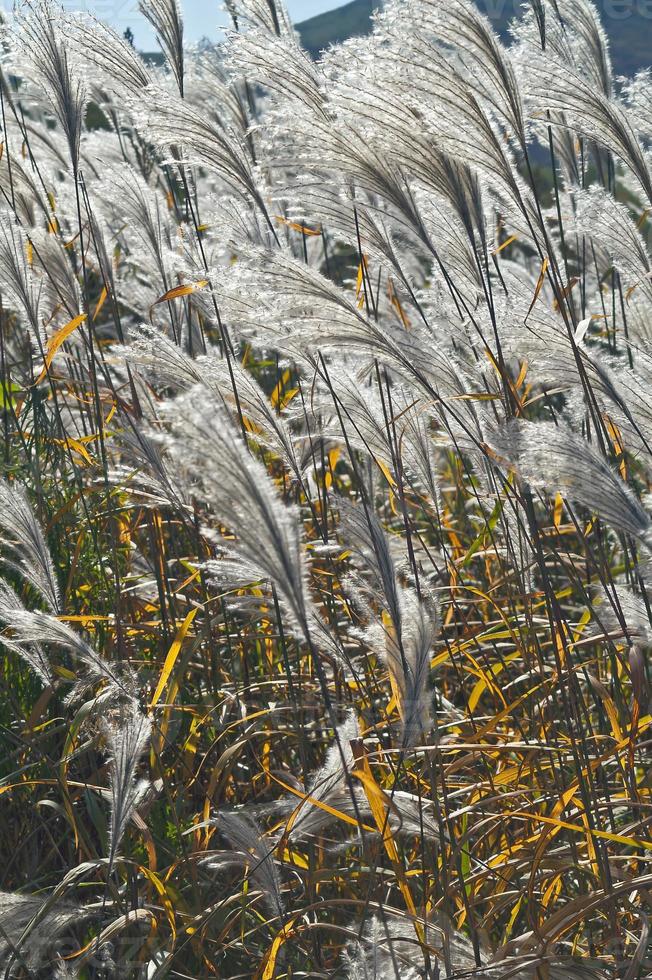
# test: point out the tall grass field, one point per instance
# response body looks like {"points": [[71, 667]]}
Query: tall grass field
{"points": [[325, 513]]}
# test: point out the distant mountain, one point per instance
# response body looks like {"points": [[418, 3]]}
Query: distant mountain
{"points": [[628, 24], [336, 25]]}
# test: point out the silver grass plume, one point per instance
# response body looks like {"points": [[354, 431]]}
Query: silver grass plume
{"points": [[16, 914], [552, 457], [386, 240], [360, 408], [308, 310], [213, 83], [252, 850], [172, 122], [145, 473], [390, 950], [17, 280], [590, 44], [370, 430], [571, 100], [165, 18], [166, 362], [280, 64], [28, 199], [404, 638], [570, 32], [637, 92], [146, 225], [268, 15], [622, 614], [406, 652], [329, 789], [127, 735], [573, 34], [487, 64], [31, 651], [25, 630], [327, 786], [118, 62], [611, 228], [56, 274], [422, 90], [41, 46], [361, 530], [629, 395], [210, 453], [21, 533]]}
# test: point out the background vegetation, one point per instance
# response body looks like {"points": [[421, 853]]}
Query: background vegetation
{"points": [[324, 512]]}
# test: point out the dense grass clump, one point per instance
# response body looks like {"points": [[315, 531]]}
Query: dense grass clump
{"points": [[324, 527]]}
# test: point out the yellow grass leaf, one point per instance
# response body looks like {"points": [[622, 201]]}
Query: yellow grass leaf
{"points": [[566, 291], [359, 293], [379, 805], [602, 834], [55, 342], [306, 798], [280, 387], [396, 303], [609, 706], [559, 510], [171, 658], [505, 244], [485, 680], [78, 447], [539, 286], [168, 905], [293, 857], [297, 227], [269, 965], [100, 303], [384, 469], [178, 291]]}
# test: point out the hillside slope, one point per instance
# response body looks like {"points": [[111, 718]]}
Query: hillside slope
{"points": [[630, 32], [336, 25]]}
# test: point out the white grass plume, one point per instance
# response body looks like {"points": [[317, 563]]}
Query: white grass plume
{"points": [[328, 786], [207, 447], [165, 18], [254, 851], [390, 950], [27, 630], [169, 121], [41, 46], [16, 914], [404, 636], [267, 15], [406, 652], [572, 100], [329, 790], [487, 64], [21, 533], [613, 231], [127, 735], [164, 361], [552, 457], [30, 650], [17, 279], [621, 613], [115, 59]]}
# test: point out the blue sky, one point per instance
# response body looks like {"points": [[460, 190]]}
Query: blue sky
{"points": [[201, 17]]}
